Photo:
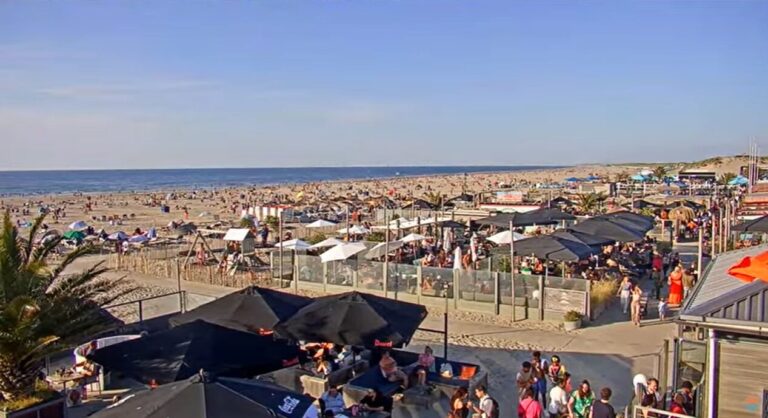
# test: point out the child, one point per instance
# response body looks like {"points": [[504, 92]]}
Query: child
{"points": [[663, 309]]}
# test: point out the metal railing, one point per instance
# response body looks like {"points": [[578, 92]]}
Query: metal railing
{"points": [[645, 412], [141, 303]]}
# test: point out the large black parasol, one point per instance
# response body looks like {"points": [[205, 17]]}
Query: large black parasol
{"points": [[755, 225], [607, 228], [201, 397], [355, 319], [181, 352], [251, 309], [549, 247]]}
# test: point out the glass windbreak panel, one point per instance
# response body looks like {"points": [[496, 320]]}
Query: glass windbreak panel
{"points": [[436, 281], [370, 275], [403, 278], [340, 273], [310, 268]]}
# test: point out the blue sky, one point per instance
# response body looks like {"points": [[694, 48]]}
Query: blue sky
{"points": [[129, 84]]}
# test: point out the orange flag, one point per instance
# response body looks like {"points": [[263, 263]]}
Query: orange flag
{"points": [[750, 269]]}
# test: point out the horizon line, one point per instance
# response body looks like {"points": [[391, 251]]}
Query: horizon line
{"points": [[303, 167]]}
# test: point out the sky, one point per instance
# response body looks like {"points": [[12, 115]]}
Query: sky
{"points": [[249, 83]]}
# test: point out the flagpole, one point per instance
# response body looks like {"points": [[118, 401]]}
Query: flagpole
{"points": [[512, 268]]}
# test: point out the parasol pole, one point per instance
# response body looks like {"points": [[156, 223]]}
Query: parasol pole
{"points": [[512, 268], [701, 251], [386, 254]]}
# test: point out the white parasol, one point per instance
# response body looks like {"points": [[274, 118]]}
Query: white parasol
{"points": [[294, 244], [342, 252], [505, 237], [413, 237], [78, 226], [320, 223], [329, 242]]}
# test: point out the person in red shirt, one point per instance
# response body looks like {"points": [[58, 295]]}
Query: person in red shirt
{"points": [[528, 406]]}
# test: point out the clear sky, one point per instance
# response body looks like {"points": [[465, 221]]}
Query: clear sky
{"points": [[246, 83]]}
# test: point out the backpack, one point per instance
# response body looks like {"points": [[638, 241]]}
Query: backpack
{"points": [[495, 413]]}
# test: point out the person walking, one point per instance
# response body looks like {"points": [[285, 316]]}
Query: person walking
{"points": [[637, 293], [528, 406], [540, 368], [625, 288], [558, 400], [602, 408], [525, 379], [459, 408]]}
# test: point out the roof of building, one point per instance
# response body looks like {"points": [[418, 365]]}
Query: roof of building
{"points": [[237, 234], [721, 297]]}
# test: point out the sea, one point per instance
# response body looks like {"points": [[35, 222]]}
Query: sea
{"points": [[14, 183]]}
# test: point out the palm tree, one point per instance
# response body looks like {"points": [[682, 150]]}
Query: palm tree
{"points": [[434, 198], [659, 172], [42, 309], [726, 177], [622, 177], [589, 203]]}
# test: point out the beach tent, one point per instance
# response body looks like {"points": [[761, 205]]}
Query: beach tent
{"points": [[639, 177], [294, 244], [117, 236], [205, 396], [342, 252], [413, 237], [354, 230], [549, 247], [381, 249], [320, 223], [572, 180], [138, 239], [74, 235], [505, 237], [251, 309], [355, 318], [78, 226], [181, 352], [328, 242]]}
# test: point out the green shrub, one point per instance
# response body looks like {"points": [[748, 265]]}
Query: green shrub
{"points": [[316, 237], [572, 316], [272, 222], [376, 237]]}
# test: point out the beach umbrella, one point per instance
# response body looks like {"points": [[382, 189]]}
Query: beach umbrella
{"points": [[682, 214], [181, 352], [206, 396], [519, 219], [328, 242], [607, 228], [457, 258], [550, 247], [74, 235], [250, 309], [586, 239], [78, 226], [750, 269], [451, 224], [355, 318], [755, 225], [642, 204], [505, 237], [381, 248], [117, 236], [572, 180], [320, 223], [294, 244], [413, 238], [342, 251], [739, 181]]}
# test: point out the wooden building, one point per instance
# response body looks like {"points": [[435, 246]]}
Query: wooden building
{"points": [[724, 351]]}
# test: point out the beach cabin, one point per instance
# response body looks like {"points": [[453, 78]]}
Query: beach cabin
{"points": [[244, 237], [723, 349]]}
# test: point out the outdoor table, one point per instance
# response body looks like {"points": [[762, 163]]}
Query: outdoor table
{"points": [[63, 380]]}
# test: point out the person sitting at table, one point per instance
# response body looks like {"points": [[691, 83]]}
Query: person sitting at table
{"points": [[389, 369], [425, 364], [323, 366], [374, 401], [333, 400]]}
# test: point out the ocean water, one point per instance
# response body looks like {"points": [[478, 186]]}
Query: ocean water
{"points": [[86, 181]]}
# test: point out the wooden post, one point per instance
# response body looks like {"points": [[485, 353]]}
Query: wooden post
{"points": [[386, 253], [512, 269], [541, 298], [713, 239], [699, 267], [496, 292], [280, 239]]}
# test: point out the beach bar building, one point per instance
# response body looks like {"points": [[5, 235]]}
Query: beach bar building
{"points": [[724, 351]]}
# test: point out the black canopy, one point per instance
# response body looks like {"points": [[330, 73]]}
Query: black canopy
{"points": [[544, 216], [642, 204], [608, 228], [586, 239], [250, 309], [199, 397], [355, 319], [560, 200], [756, 225], [551, 247], [631, 220], [451, 224], [182, 351]]}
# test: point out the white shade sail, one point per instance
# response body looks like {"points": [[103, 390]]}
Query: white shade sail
{"points": [[320, 223], [342, 252], [329, 242], [294, 244]]}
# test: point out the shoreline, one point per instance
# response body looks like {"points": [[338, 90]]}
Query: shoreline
{"points": [[224, 187]]}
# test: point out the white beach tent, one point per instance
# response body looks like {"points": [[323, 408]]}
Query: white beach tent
{"points": [[294, 244], [320, 223], [342, 252], [329, 242], [505, 237], [413, 237], [354, 230], [78, 226]]}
